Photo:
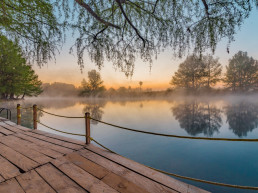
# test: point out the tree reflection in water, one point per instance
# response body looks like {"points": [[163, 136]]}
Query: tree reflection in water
{"points": [[95, 109], [242, 117], [196, 117]]}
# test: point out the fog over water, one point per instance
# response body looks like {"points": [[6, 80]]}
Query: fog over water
{"points": [[221, 161]]}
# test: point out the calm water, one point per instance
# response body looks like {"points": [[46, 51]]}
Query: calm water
{"points": [[227, 162]]}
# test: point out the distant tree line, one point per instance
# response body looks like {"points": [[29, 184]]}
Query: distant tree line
{"points": [[196, 73], [94, 87], [58, 89], [17, 79]]}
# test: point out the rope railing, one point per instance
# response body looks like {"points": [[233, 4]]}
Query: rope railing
{"points": [[60, 130], [88, 137], [60, 115], [26, 108], [8, 112], [175, 136], [147, 132]]}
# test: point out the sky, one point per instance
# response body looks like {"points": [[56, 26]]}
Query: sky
{"points": [[65, 68]]}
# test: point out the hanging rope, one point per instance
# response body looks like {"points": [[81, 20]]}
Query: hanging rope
{"points": [[175, 136], [25, 108], [59, 130], [59, 115], [188, 178]]}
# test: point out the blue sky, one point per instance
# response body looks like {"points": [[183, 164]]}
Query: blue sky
{"points": [[66, 69]]}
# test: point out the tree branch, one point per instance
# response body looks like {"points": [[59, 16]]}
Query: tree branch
{"points": [[155, 6], [87, 7], [96, 35], [206, 8], [130, 23]]}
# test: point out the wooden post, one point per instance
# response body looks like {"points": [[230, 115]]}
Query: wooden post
{"points": [[18, 114], [35, 117], [87, 123]]}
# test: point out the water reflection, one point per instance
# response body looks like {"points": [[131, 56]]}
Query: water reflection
{"points": [[242, 117], [95, 109], [196, 117]]}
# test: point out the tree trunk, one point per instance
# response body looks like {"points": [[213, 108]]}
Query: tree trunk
{"points": [[12, 96], [23, 96]]}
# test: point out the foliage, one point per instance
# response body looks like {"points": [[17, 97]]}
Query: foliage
{"points": [[94, 86], [121, 30], [34, 25], [213, 71], [195, 73], [16, 77], [242, 73]]}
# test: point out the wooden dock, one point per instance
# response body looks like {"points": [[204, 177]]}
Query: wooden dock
{"points": [[34, 161]]}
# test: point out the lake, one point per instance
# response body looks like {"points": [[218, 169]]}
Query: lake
{"points": [[220, 161]]}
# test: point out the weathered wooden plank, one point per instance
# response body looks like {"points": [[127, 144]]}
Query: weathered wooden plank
{"points": [[9, 127], [89, 166], [11, 186], [3, 119], [54, 141], [16, 158], [150, 185], [62, 138], [10, 122], [43, 150], [115, 181], [20, 146], [31, 182], [83, 178], [8, 170], [121, 184], [5, 131], [39, 142], [145, 171], [1, 135], [57, 180]]}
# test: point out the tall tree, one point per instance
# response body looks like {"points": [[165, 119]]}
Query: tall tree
{"points": [[16, 77], [189, 74], [242, 72], [197, 72], [213, 70], [121, 30], [94, 86]]}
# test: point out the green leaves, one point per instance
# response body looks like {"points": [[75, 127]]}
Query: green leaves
{"points": [[242, 73], [16, 77], [133, 28], [94, 86], [195, 73], [34, 25]]}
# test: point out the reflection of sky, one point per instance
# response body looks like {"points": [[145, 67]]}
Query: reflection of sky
{"points": [[220, 161], [66, 68]]}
